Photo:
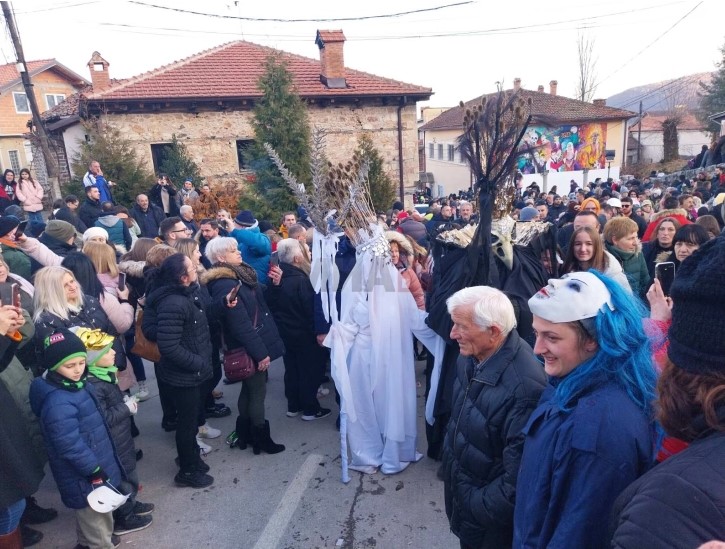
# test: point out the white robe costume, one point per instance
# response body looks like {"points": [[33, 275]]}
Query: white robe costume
{"points": [[372, 362]]}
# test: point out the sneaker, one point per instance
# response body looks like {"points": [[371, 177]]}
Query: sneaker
{"points": [[293, 413], [322, 412], [201, 466], [217, 411], [205, 449], [143, 391], [195, 479], [322, 391], [30, 536], [139, 454], [142, 509], [207, 431], [134, 523]]}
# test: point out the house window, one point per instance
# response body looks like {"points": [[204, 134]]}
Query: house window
{"points": [[242, 146], [461, 158], [440, 152], [14, 161], [159, 154], [52, 99], [431, 150], [451, 153], [21, 103]]}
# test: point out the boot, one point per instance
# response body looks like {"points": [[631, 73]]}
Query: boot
{"points": [[35, 514], [243, 433], [13, 540], [262, 442]]}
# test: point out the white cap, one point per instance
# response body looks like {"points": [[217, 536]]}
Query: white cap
{"points": [[615, 202], [105, 499], [574, 296]]}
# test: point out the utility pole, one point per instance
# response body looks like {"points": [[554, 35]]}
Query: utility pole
{"points": [[50, 164], [639, 135]]}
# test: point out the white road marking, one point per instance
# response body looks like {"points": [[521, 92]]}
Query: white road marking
{"points": [[277, 523]]}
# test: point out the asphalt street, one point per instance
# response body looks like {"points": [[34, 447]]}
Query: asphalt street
{"points": [[292, 500]]}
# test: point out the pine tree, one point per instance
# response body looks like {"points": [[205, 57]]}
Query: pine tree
{"points": [[712, 95], [280, 119], [179, 165], [382, 189], [118, 160]]}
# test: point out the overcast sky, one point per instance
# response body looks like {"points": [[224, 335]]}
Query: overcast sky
{"points": [[460, 51]]}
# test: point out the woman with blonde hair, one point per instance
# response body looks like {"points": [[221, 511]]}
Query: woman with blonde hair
{"points": [[586, 251], [190, 248], [401, 255], [620, 239]]}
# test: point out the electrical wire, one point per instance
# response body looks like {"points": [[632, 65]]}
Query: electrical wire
{"points": [[318, 20]]}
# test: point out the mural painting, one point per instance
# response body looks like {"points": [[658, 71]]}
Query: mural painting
{"points": [[563, 149]]}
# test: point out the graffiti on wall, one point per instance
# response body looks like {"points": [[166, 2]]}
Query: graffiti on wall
{"points": [[563, 149]]}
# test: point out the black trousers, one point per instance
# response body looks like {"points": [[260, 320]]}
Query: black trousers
{"points": [[216, 366], [187, 402], [303, 369]]}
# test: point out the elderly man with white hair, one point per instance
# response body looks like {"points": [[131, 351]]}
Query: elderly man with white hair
{"points": [[498, 384], [186, 213]]}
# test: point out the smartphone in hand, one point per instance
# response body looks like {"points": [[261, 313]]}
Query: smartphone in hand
{"points": [[122, 280], [20, 231], [665, 273], [231, 296]]}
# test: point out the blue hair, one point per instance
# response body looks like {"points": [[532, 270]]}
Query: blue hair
{"points": [[624, 356]]}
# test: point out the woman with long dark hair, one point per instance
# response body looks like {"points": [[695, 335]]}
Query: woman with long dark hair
{"points": [[7, 189], [680, 502], [592, 433], [30, 195], [586, 251]]}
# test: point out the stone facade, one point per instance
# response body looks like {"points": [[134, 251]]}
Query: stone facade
{"points": [[210, 136]]}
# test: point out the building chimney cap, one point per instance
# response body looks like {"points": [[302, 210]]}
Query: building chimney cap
{"points": [[540, 88], [553, 83], [328, 36], [517, 84], [600, 102], [96, 59]]}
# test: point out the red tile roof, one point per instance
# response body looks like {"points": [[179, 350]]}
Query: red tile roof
{"points": [[232, 71], [652, 122], [9, 76], [558, 108]]}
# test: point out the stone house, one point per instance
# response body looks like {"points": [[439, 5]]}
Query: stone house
{"points": [[52, 84], [567, 139], [206, 100]]}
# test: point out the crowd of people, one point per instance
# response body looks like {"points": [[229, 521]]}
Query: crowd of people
{"points": [[607, 431]]}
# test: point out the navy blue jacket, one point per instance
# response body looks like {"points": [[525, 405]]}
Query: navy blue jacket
{"points": [[148, 221], [76, 437], [574, 466]]}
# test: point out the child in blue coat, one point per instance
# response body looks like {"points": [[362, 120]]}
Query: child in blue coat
{"points": [[80, 450]]}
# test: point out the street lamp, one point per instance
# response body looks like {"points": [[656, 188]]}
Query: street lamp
{"points": [[609, 155]]}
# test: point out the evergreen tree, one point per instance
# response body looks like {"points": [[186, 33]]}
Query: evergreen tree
{"points": [[179, 165], [712, 95], [382, 189], [118, 160], [280, 119]]}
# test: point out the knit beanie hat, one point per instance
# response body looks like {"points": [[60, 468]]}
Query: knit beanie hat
{"points": [[697, 333], [96, 343], [93, 232], [528, 213], [7, 224], [245, 218], [60, 230], [59, 347]]}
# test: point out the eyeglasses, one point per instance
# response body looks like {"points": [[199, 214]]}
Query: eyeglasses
{"points": [[626, 205], [184, 230]]}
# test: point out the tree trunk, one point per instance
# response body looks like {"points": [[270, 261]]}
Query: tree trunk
{"points": [[670, 140]]}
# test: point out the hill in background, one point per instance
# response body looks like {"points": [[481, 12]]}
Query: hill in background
{"points": [[661, 96]]}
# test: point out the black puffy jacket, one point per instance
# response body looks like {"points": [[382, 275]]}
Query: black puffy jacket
{"points": [[292, 305], [237, 322], [484, 442], [118, 419], [679, 503], [175, 318]]}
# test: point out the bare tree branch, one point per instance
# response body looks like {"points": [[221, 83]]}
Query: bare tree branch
{"points": [[587, 78]]}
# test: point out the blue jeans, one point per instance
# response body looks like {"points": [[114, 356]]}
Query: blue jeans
{"points": [[10, 516], [35, 217]]}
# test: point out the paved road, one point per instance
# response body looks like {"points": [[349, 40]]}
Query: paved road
{"points": [[292, 500]]}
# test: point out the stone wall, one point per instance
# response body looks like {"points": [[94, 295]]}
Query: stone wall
{"points": [[210, 137]]}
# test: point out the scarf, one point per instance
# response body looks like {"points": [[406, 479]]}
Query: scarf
{"points": [[104, 373], [57, 380], [244, 272]]}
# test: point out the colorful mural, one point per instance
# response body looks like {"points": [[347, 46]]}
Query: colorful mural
{"points": [[563, 149]]}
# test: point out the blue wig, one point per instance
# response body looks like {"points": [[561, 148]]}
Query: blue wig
{"points": [[624, 356]]}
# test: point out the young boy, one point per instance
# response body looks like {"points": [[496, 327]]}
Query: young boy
{"points": [[117, 411], [79, 445]]}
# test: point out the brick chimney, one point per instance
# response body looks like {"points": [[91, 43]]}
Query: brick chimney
{"points": [[600, 102], [540, 88], [332, 59], [99, 72], [552, 87], [517, 84]]}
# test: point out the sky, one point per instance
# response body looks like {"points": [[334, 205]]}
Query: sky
{"points": [[459, 48]]}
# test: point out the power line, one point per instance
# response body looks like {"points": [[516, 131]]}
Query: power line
{"points": [[319, 20], [57, 7]]}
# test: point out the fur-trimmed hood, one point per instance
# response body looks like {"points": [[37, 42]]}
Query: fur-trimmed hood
{"points": [[217, 273], [679, 214], [668, 213], [132, 268], [401, 240]]}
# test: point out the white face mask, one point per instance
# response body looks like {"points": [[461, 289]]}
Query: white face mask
{"points": [[575, 296]]}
